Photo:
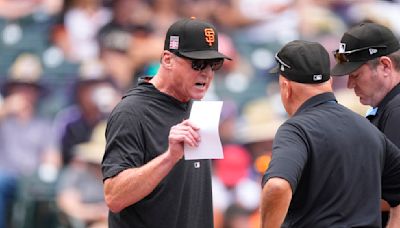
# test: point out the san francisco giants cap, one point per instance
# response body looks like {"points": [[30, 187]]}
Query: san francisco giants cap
{"points": [[303, 61], [194, 39], [362, 43]]}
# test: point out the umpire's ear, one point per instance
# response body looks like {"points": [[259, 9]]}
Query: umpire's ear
{"points": [[285, 88]]}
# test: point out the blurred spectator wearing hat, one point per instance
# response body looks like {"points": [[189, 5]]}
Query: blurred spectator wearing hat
{"points": [[369, 54], [24, 144], [128, 43], [94, 96], [115, 45], [329, 166], [260, 120], [80, 195], [234, 182]]}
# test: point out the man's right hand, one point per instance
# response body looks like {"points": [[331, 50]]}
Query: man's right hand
{"points": [[184, 132]]}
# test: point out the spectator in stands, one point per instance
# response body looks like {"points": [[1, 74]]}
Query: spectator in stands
{"points": [[95, 95], [82, 21], [233, 182], [80, 187], [115, 45], [23, 134]]}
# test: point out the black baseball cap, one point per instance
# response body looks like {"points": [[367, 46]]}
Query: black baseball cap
{"points": [[194, 39], [362, 43], [303, 61]]}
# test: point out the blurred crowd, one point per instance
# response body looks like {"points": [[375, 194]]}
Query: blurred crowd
{"points": [[64, 64]]}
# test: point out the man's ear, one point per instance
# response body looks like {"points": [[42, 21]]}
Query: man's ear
{"points": [[286, 88], [166, 59], [387, 65]]}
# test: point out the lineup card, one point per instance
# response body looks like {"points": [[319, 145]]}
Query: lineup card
{"points": [[206, 115]]}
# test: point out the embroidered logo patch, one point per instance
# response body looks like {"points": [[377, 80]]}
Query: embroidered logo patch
{"points": [[317, 77], [174, 42], [373, 51], [342, 48], [209, 36]]}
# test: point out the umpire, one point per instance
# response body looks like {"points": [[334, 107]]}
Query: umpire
{"points": [[369, 53], [330, 166]]}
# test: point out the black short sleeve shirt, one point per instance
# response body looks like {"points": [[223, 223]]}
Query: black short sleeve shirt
{"points": [[334, 160], [387, 116], [137, 132]]}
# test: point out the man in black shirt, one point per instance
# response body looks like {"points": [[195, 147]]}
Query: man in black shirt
{"points": [[329, 166], [369, 54], [146, 181]]}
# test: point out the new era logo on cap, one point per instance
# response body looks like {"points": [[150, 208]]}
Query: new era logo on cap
{"points": [[373, 51]]}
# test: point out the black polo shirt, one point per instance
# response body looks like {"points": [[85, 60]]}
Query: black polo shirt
{"points": [[387, 117], [334, 159], [137, 132]]}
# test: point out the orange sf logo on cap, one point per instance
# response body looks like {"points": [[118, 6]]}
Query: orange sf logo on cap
{"points": [[210, 36]]}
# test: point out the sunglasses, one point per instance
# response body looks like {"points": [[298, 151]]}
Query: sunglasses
{"points": [[201, 64], [343, 57]]}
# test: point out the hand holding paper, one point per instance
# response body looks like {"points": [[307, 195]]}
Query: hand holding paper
{"points": [[206, 114]]}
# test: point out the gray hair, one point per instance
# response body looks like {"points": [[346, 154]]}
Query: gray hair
{"points": [[395, 57]]}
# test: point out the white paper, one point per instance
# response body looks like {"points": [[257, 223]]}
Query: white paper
{"points": [[205, 115]]}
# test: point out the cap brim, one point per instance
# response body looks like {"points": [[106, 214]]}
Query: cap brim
{"points": [[4, 88], [274, 70], [346, 68], [208, 54]]}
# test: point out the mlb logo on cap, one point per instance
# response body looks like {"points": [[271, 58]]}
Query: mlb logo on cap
{"points": [[317, 77]]}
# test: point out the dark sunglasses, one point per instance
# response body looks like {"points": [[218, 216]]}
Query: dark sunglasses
{"points": [[343, 57], [201, 64]]}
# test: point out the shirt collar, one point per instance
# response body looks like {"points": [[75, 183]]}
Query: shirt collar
{"points": [[388, 97], [371, 111], [316, 100]]}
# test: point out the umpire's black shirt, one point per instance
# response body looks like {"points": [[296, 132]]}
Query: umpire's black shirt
{"points": [[387, 116], [336, 163], [386, 119]]}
